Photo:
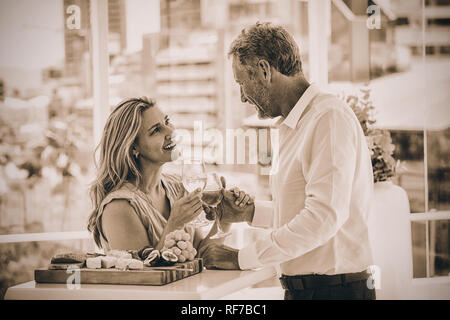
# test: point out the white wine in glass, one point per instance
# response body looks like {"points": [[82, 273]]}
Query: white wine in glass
{"points": [[212, 196], [194, 177]]}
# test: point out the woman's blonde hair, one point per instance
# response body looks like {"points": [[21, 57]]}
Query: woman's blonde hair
{"points": [[117, 163]]}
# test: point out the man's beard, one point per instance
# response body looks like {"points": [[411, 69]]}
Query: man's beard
{"points": [[261, 114], [262, 103]]}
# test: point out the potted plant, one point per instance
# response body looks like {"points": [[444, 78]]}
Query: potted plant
{"points": [[388, 222]]}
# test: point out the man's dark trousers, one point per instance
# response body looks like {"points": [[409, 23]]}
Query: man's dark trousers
{"points": [[349, 286]]}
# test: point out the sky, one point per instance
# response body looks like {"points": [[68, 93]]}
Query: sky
{"points": [[31, 33]]}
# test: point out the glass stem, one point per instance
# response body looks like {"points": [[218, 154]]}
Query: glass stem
{"points": [[219, 226]]}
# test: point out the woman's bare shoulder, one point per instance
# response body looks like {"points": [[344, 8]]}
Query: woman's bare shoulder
{"points": [[118, 209], [123, 228]]}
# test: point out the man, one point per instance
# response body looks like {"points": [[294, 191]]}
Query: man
{"points": [[323, 186]]}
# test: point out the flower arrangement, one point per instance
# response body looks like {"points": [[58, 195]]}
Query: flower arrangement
{"points": [[378, 140]]}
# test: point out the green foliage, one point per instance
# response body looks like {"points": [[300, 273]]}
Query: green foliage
{"points": [[52, 156], [49, 158], [379, 141]]}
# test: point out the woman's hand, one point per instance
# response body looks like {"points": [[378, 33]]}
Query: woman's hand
{"points": [[185, 210]]}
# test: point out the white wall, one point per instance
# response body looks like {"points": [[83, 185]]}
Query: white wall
{"points": [[142, 16], [430, 289]]}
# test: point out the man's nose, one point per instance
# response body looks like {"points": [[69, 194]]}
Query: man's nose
{"points": [[243, 98]]}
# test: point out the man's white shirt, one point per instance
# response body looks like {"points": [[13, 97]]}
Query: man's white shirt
{"points": [[322, 186]]}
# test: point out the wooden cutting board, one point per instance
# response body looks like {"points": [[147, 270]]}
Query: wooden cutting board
{"points": [[155, 276]]}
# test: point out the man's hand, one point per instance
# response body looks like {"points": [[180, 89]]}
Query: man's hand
{"points": [[236, 206], [219, 256]]}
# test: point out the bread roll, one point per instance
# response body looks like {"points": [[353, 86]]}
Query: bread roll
{"points": [[64, 266], [68, 258]]}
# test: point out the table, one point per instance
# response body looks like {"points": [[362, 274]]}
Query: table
{"points": [[207, 285]]}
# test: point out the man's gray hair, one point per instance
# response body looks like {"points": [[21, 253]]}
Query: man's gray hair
{"points": [[270, 42]]}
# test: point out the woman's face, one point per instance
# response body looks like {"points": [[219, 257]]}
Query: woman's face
{"points": [[154, 140]]}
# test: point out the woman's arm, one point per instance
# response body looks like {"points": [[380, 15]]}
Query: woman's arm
{"points": [[124, 230], [122, 227], [168, 228], [183, 211]]}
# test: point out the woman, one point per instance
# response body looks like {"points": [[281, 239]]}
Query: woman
{"points": [[135, 204]]}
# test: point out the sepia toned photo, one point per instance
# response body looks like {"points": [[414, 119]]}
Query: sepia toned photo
{"points": [[244, 150]]}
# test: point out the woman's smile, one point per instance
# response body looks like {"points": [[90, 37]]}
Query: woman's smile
{"points": [[169, 147]]}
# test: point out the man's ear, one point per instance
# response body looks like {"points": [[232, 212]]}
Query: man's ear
{"points": [[264, 68]]}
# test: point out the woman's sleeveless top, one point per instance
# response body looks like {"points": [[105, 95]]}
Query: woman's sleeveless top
{"points": [[152, 220]]}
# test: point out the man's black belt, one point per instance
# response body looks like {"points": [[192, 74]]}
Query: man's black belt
{"points": [[315, 281]]}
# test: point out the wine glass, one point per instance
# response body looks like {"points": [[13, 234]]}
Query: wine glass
{"points": [[194, 177], [212, 195]]}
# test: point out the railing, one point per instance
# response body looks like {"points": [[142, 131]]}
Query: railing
{"points": [[426, 217], [45, 236], [430, 216]]}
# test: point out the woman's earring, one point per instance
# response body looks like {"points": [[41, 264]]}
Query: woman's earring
{"points": [[135, 154]]}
